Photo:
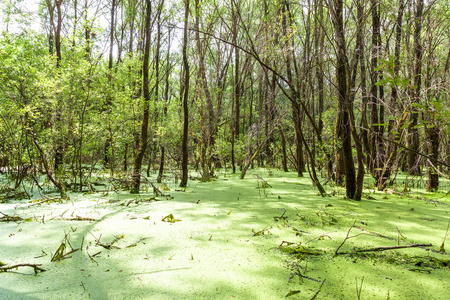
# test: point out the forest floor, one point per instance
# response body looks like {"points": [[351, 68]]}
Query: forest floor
{"points": [[269, 236]]}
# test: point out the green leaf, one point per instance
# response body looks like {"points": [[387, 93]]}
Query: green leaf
{"points": [[404, 126], [292, 293], [170, 218], [438, 106], [405, 82], [417, 105]]}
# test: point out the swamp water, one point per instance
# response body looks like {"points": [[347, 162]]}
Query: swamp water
{"points": [[264, 237]]}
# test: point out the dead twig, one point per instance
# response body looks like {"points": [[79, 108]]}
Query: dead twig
{"points": [[34, 266], [442, 248], [346, 238], [320, 288], [359, 288]]}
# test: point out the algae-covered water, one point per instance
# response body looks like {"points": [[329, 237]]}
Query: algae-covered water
{"points": [[228, 239]]}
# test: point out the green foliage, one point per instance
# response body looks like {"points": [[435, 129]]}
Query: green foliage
{"points": [[390, 78]]}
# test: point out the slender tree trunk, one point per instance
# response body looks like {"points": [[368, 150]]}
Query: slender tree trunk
{"points": [[294, 93], [391, 150], [108, 142], [136, 177], [375, 153], [209, 133], [237, 92], [57, 30], [125, 158], [166, 101], [157, 83], [184, 145], [75, 22], [413, 132], [434, 139], [283, 151]]}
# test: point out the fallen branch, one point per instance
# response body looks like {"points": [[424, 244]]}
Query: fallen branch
{"points": [[414, 197], [45, 200], [384, 248], [137, 201], [34, 266], [436, 169], [8, 218], [107, 246], [156, 190], [78, 218], [40, 202], [263, 180], [392, 239], [434, 251]]}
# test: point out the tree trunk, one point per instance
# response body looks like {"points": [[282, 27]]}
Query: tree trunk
{"points": [[283, 151], [136, 177], [413, 132], [184, 145], [166, 100], [344, 103], [57, 30], [108, 142], [237, 93], [376, 153], [294, 94], [391, 150], [433, 176]]}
